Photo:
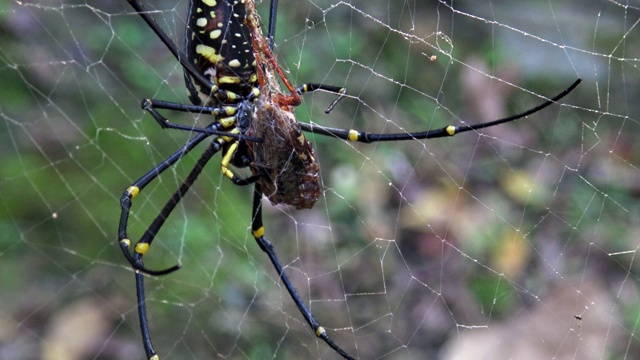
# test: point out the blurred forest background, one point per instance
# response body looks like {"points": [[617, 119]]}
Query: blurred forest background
{"points": [[515, 242]]}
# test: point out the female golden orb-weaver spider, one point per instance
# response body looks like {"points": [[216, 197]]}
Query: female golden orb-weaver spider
{"points": [[231, 73]]}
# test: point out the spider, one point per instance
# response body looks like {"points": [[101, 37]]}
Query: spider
{"points": [[231, 73]]}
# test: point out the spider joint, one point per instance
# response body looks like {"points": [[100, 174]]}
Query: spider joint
{"points": [[258, 233], [320, 331], [125, 243], [133, 191], [141, 248], [353, 135]]}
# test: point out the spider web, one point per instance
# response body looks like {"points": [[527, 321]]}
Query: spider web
{"points": [[517, 242]]}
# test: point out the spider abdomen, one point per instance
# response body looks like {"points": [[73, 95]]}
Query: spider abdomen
{"points": [[284, 159], [219, 45]]}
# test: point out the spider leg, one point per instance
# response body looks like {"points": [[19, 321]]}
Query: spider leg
{"points": [[257, 230], [142, 246], [145, 241], [450, 130], [224, 113], [273, 12], [177, 53], [142, 315], [224, 165], [198, 109], [310, 87], [135, 188], [132, 191]]}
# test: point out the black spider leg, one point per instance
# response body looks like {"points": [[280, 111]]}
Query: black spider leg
{"points": [[151, 106], [177, 53], [149, 235], [273, 13], [133, 190], [142, 246], [450, 130], [257, 230], [125, 243], [310, 87], [144, 243]]}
